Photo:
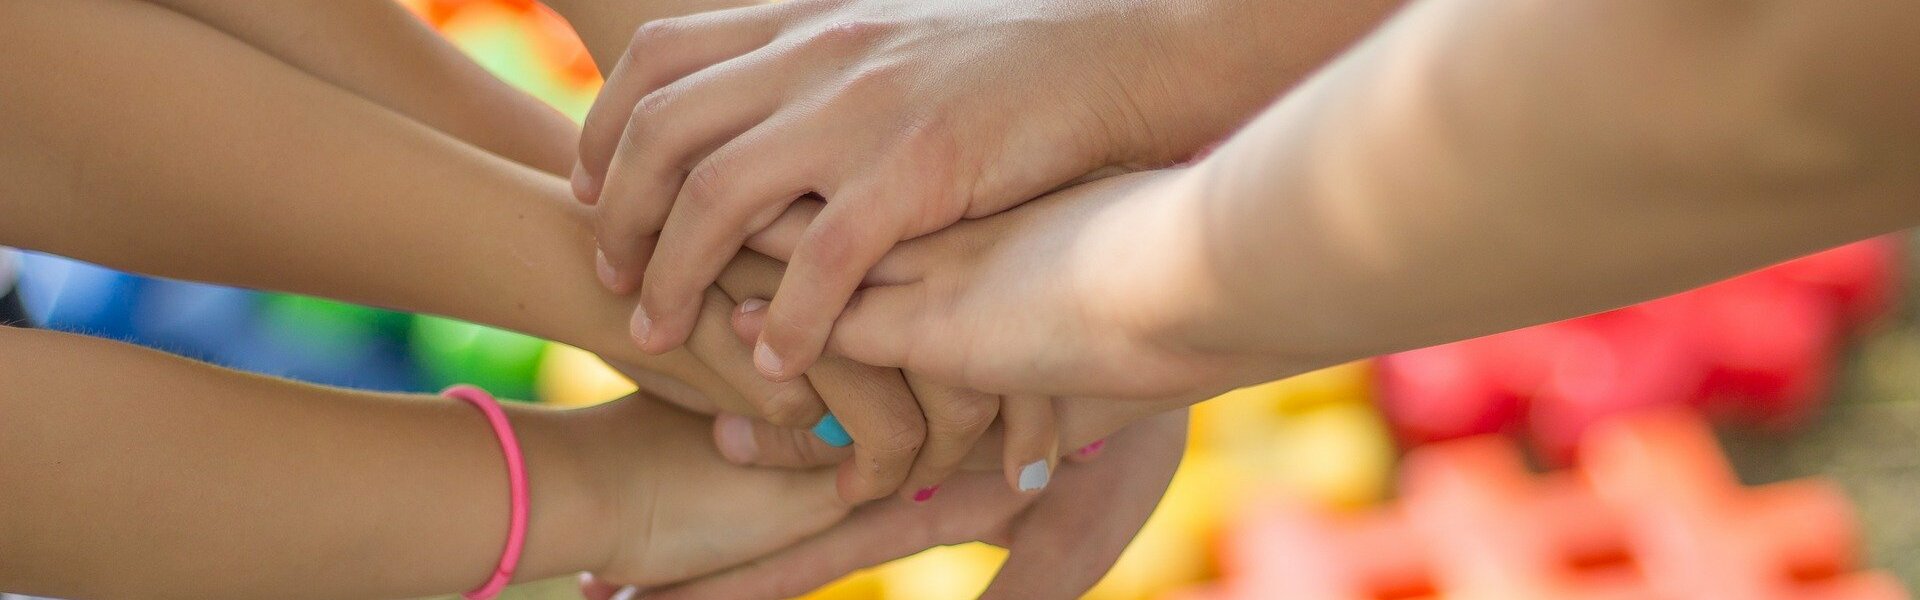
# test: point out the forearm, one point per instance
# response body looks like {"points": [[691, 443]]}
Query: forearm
{"points": [[375, 49], [227, 166], [1293, 38], [607, 25], [1478, 166], [132, 473]]}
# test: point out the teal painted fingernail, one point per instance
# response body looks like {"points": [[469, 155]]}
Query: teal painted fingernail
{"points": [[830, 431], [1034, 476]]}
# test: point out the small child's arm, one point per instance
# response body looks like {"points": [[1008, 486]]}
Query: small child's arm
{"points": [[127, 472], [131, 473], [142, 139], [375, 49]]}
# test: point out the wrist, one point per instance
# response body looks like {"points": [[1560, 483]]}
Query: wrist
{"points": [[1173, 293], [572, 501]]}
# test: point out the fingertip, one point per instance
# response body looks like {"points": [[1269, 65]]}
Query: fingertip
{"points": [[659, 331], [641, 328], [749, 319], [846, 483], [769, 362], [610, 277], [586, 187], [733, 435], [752, 305], [829, 430], [1089, 451], [1034, 477], [922, 495]]}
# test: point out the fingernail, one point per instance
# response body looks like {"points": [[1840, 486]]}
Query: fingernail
{"points": [[734, 435], [585, 189], [764, 358], [925, 493], [1034, 476], [752, 305], [642, 325], [626, 593], [586, 578], [1090, 450], [608, 277], [830, 431]]}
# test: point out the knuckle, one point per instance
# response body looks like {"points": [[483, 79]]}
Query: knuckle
{"points": [[640, 132], [831, 244], [876, 82], [651, 36], [654, 105], [804, 451], [963, 414], [849, 35], [788, 407], [708, 182], [650, 124], [899, 441]]}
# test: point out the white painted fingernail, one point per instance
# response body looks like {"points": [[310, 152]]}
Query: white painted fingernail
{"points": [[626, 593], [1034, 476]]}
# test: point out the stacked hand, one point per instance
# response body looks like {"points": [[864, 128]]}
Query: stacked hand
{"points": [[873, 145], [903, 117]]}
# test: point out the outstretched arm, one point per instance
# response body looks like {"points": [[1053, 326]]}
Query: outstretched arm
{"points": [[115, 458], [141, 139], [1473, 167], [1480, 166], [247, 172]]}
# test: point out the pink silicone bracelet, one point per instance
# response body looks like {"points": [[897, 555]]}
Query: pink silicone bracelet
{"points": [[516, 487]]}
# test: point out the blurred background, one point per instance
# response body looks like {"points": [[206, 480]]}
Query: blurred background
{"points": [[1809, 373]]}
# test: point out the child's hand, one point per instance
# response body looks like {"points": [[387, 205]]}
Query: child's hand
{"points": [[1061, 542], [905, 115], [957, 422], [681, 510]]}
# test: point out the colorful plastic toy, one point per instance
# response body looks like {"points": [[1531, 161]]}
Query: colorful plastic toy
{"points": [[570, 376], [70, 295], [1759, 349], [1654, 514], [500, 361]]}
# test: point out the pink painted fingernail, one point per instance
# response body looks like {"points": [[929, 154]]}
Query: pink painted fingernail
{"points": [[1091, 450], [752, 305], [925, 493]]}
